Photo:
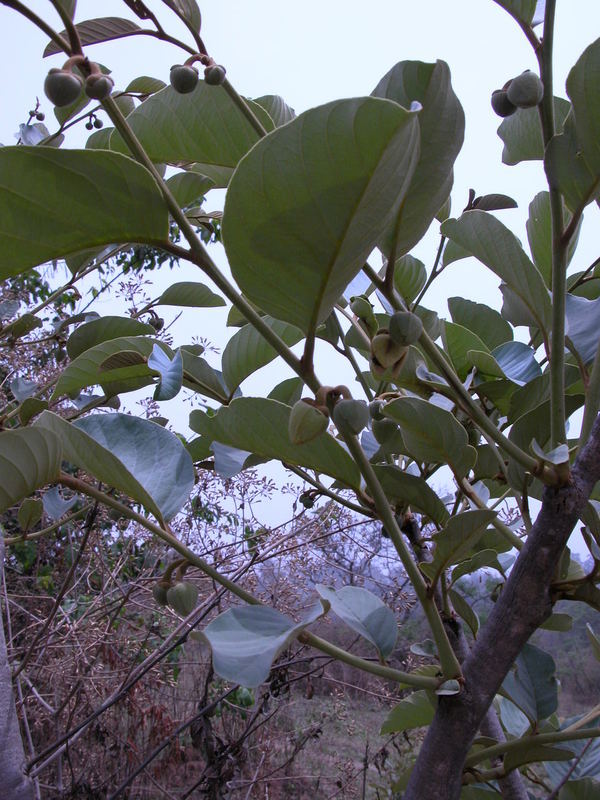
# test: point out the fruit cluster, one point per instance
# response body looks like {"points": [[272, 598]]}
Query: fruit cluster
{"points": [[63, 86], [524, 91]]}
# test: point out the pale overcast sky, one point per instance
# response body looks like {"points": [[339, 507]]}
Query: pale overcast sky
{"points": [[313, 52]]}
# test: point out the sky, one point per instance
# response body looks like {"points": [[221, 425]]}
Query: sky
{"points": [[313, 52]]}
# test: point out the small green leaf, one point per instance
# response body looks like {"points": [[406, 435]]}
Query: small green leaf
{"points": [[458, 342], [246, 640], [481, 560], [410, 277], [134, 455], [448, 688], [30, 513], [188, 187], [456, 540], [558, 622], [415, 711], [55, 505], [432, 434], [188, 10], [94, 31], [261, 427], [29, 459], [559, 455], [403, 488], [200, 377], [521, 10], [347, 167], [365, 613], [21, 326], [481, 320], [103, 330], [586, 789], [288, 391], [539, 235], [587, 765], [248, 350], [464, 610], [112, 198], [30, 408], [145, 85], [190, 294], [170, 371], [534, 753]]}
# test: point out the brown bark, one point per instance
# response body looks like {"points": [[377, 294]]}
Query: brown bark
{"points": [[523, 605]]}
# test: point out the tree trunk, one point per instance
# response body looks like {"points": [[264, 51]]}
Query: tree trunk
{"points": [[524, 603], [15, 784]]}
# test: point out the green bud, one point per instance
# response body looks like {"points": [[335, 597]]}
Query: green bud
{"points": [[383, 429], [405, 328], [350, 416], [183, 597], [526, 90]]}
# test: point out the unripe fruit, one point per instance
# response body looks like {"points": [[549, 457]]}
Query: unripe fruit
{"points": [[183, 597], [387, 356], [526, 90], [350, 416], [98, 124], [89, 125], [360, 306], [307, 500], [214, 75], [62, 87], [98, 86], [375, 407], [159, 592], [40, 116], [383, 429], [501, 104], [405, 328], [306, 423], [184, 78]]}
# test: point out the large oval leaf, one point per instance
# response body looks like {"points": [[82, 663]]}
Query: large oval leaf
{"points": [[29, 459], [402, 487], [94, 31], [72, 200], [248, 350], [203, 127], [261, 427], [136, 456], [310, 201], [442, 126], [103, 330]]}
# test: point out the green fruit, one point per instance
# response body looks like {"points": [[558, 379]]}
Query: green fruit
{"points": [[214, 75], [306, 423], [501, 104], [183, 597], [383, 429], [526, 90], [360, 306], [98, 86], [307, 500], [387, 356], [159, 592], [184, 78], [351, 416], [62, 87], [405, 328], [375, 407]]}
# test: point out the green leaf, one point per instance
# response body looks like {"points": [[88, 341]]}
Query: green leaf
{"points": [[456, 540], [55, 506], [85, 369], [23, 388], [521, 10], [103, 330], [68, 6], [448, 688], [170, 371], [189, 187], [200, 377], [29, 459], [558, 455], [94, 31], [539, 234], [188, 10], [347, 167], [30, 513], [532, 684], [261, 427], [584, 90], [583, 325], [288, 391], [498, 248], [441, 126], [571, 174], [494, 202], [144, 84], [587, 765], [594, 641], [246, 640], [481, 320], [558, 622], [112, 198], [21, 326], [402, 488], [365, 613], [513, 719], [535, 753], [458, 342], [30, 408], [190, 294], [410, 277], [415, 711], [517, 362], [586, 789], [204, 127], [522, 133], [276, 108], [483, 559], [453, 252], [432, 434], [464, 610], [136, 456], [248, 351]]}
